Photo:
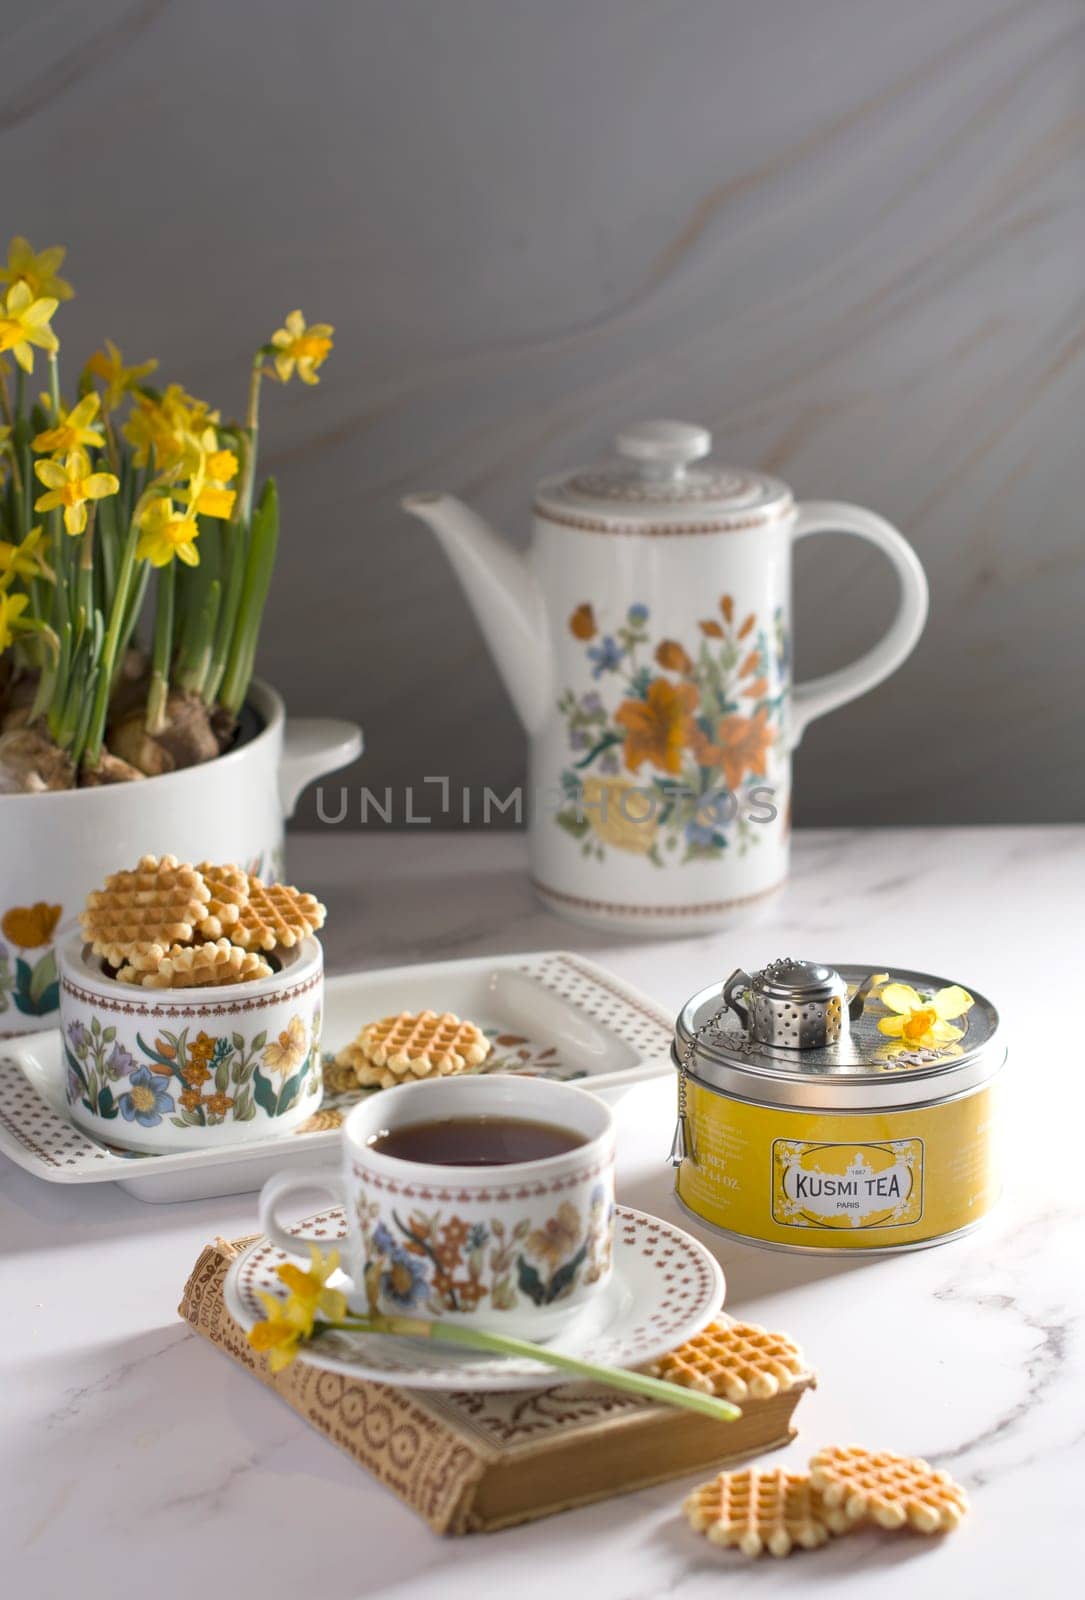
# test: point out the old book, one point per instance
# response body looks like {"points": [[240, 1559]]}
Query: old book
{"points": [[473, 1462]]}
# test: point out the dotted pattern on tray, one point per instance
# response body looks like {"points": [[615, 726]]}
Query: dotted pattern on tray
{"points": [[51, 1138], [685, 1274], [55, 1142], [646, 1027]]}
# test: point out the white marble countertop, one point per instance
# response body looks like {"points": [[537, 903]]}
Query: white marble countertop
{"points": [[137, 1461]]}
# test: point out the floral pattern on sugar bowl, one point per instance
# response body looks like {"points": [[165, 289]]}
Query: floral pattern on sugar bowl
{"points": [[438, 1261], [185, 1069]]}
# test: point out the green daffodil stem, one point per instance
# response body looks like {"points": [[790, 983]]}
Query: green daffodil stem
{"points": [[259, 563], [638, 1383], [158, 694], [252, 435], [114, 643]]}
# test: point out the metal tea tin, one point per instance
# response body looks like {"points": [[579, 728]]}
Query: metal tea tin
{"points": [[803, 1126]]}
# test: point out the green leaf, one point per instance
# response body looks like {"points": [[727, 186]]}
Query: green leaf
{"points": [[109, 1035], [244, 1110], [259, 1042], [222, 1077], [565, 1274], [238, 1042], [530, 1283], [573, 822], [42, 978], [290, 1092], [76, 1069], [107, 1106], [266, 1096]]}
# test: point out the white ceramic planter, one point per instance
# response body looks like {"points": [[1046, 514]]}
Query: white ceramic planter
{"points": [[160, 1070], [55, 848]]}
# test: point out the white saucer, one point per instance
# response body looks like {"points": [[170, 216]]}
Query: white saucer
{"points": [[665, 1288]]}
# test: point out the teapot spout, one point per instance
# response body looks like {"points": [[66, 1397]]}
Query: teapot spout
{"points": [[504, 596]]}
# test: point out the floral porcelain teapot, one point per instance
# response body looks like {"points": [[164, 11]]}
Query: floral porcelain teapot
{"points": [[645, 640]]}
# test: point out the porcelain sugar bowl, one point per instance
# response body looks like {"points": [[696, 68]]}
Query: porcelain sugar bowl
{"points": [[156, 1070]]}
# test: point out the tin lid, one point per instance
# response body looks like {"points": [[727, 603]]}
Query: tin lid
{"points": [[805, 1035], [661, 472]]}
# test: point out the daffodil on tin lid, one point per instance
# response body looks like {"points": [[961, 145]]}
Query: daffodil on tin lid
{"points": [[848, 1108]]}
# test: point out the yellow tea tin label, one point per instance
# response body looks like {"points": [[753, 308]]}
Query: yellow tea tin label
{"points": [[847, 1185], [839, 1180]]}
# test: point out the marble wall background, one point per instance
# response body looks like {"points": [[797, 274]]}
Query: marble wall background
{"points": [[846, 234]]}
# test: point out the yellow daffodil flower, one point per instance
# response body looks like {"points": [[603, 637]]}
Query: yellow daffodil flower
{"points": [[301, 347], [310, 1288], [167, 429], [280, 1333], [71, 485], [10, 607], [290, 1322], [923, 1024], [24, 322], [210, 469], [119, 380], [166, 533], [38, 272], [23, 560], [72, 430]]}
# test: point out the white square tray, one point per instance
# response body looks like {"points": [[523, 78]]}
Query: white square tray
{"points": [[550, 1014]]}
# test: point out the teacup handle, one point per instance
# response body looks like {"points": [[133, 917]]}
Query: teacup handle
{"points": [[277, 1188], [820, 695]]}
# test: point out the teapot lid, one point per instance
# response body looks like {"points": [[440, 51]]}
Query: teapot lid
{"points": [[661, 471]]}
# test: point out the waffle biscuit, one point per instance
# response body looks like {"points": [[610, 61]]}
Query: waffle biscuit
{"points": [[140, 958], [340, 1076], [761, 1512], [159, 902], [891, 1490], [196, 966], [425, 1044], [737, 1360], [228, 887], [272, 914]]}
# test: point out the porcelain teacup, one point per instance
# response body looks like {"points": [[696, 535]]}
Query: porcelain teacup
{"points": [[517, 1249]]}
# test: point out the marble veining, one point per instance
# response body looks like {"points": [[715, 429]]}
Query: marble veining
{"points": [[126, 1441]]}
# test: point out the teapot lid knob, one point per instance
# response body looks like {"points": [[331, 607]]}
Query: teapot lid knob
{"points": [[663, 443]]}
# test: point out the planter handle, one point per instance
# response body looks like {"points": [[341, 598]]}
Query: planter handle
{"points": [[311, 747]]}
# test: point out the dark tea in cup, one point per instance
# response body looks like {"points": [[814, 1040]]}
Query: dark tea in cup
{"points": [[479, 1141]]}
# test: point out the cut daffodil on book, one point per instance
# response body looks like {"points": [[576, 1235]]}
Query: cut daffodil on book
{"points": [[923, 1024], [311, 1309]]}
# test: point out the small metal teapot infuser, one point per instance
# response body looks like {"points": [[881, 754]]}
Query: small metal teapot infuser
{"points": [[790, 1004]]}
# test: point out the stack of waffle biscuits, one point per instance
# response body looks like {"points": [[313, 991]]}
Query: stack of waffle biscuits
{"points": [[166, 924]]}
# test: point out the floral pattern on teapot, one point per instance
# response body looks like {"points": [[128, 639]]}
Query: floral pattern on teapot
{"points": [[694, 725]]}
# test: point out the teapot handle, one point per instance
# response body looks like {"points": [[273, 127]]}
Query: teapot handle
{"points": [[819, 695]]}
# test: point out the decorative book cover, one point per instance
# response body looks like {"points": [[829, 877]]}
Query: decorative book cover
{"points": [[470, 1463]]}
